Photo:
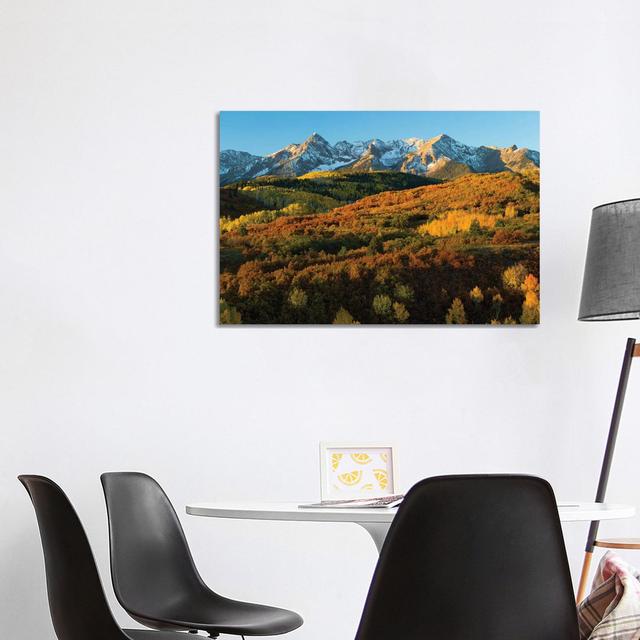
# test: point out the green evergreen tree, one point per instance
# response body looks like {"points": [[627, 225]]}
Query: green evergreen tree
{"points": [[382, 306], [375, 245], [344, 317], [496, 305], [297, 298], [229, 314], [404, 293]]}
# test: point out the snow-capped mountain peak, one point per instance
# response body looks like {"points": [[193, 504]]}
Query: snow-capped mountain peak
{"points": [[440, 157], [315, 137]]}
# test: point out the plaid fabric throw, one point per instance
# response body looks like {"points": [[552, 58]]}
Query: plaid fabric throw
{"points": [[612, 610]]}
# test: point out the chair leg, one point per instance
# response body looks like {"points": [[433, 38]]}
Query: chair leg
{"points": [[584, 577]]}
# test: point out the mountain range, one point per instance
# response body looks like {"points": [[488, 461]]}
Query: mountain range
{"points": [[441, 157]]}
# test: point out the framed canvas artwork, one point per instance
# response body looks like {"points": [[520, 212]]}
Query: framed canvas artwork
{"points": [[390, 217], [356, 471]]}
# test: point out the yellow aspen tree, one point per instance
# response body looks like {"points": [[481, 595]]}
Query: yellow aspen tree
{"points": [[456, 313]]}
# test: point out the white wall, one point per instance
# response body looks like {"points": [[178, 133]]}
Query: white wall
{"points": [[110, 356]]}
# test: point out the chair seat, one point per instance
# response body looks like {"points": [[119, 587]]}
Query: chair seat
{"points": [[216, 614]]}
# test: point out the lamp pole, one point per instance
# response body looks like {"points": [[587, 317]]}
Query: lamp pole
{"points": [[632, 350]]}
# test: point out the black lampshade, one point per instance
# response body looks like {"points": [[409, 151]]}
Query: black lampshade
{"points": [[611, 285]]}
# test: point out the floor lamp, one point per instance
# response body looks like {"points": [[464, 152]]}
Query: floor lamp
{"points": [[611, 291]]}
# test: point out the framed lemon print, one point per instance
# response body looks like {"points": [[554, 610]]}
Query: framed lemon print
{"points": [[356, 471]]}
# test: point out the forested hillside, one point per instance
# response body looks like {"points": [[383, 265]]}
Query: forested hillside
{"points": [[381, 247], [314, 192]]}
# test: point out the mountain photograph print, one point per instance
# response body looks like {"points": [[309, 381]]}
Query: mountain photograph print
{"points": [[389, 217]]}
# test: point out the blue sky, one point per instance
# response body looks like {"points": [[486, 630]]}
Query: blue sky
{"points": [[263, 132]]}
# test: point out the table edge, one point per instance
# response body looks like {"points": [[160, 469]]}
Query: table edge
{"points": [[589, 513]]}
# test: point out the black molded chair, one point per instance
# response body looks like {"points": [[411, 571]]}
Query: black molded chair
{"points": [[154, 576], [473, 558], [78, 606]]}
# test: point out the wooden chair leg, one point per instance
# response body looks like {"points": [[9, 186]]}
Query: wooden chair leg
{"points": [[584, 576]]}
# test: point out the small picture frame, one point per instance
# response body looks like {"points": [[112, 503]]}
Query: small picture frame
{"points": [[357, 470]]}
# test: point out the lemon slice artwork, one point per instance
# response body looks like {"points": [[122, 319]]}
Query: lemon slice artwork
{"points": [[350, 478], [335, 460], [382, 477], [361, 458]]}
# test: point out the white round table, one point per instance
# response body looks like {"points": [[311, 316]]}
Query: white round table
{"points": [[377, 521]]}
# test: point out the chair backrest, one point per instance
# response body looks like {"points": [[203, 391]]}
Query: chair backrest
{"points": [[473, 558], [151, 564], [78, 606]]}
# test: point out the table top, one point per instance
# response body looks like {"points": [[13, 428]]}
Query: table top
{"points": [[569, 512]]}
